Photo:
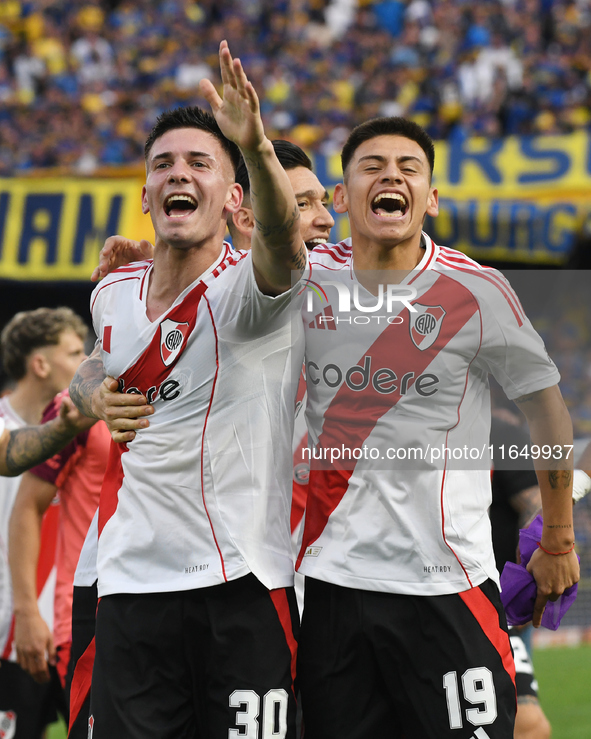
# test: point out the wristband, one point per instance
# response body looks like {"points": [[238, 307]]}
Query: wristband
{"points": [[581, 484], [556, 554]]}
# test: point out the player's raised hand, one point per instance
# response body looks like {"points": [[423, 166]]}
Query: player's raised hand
{"points": [[237, 112], [118, 251]]}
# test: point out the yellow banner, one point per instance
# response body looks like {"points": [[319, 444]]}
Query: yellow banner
{"points": [[53, 229], [520, 199]]}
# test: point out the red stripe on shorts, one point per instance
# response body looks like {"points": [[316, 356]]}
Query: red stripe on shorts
{"points": [[488, 618], [81, 680], [63, 660], [279, 598]]}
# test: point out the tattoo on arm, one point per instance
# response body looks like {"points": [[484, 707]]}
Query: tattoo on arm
{"points": [[559, 478], [525, 398], [89, 376], [252, 163], [272, 231], [299, 260], [32, 445], [527, 699], [559, 526]]}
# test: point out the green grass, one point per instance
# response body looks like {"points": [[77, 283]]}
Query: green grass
{"points": [[57, 731], [564, 677]]}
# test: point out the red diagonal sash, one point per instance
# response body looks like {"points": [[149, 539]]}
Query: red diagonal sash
{"points": [[394, 349], [148, 372]]}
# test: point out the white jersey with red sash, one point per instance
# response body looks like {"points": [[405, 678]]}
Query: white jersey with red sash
{"points": [[203, 495], [402, 397]]}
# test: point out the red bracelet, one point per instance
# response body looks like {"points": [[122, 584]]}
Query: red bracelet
{"points": [[556, 554]]}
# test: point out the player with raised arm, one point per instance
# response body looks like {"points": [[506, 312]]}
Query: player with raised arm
{"points": [[403, 632], [194, 558], [315, 225], [402, 607]]}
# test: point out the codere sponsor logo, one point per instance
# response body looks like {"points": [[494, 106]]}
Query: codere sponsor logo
{"points": [[168, 390], [383, 380]]}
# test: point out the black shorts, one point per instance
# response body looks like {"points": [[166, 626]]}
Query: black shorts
{"points": [[211, 663], [27, 707], [400, 666], [525, 681], [81, 659]]}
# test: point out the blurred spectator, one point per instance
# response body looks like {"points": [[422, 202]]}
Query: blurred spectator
{"points": [[93, 56]]}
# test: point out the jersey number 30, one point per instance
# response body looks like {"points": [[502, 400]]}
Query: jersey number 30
{"points": [[273, 717]]}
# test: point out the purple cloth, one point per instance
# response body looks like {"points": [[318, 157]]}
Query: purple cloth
{"points": [[518, 587]]}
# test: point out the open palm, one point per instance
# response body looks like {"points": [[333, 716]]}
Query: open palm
{"points": [[237, 112]]}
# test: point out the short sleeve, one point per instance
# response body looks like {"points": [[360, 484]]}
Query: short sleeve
{"points": [[242, 304], [512, 351]]}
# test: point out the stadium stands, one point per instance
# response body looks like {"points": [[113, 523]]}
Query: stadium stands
{"points": [[80, 80]]}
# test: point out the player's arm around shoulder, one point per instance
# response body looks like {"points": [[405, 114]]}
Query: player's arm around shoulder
{"points": [[277, 247], [117, 252], [96, 396], [554, 565]]}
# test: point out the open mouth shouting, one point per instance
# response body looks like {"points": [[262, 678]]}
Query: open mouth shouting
{"points": [[389, 204], [178, 206], [313, 243]]}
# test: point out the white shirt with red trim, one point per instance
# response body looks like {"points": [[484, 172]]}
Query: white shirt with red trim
{"points": [[203, 495], [46, 571], [397, 388]]}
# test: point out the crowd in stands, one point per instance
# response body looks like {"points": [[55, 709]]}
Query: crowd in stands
{"points": [[81, 81]]}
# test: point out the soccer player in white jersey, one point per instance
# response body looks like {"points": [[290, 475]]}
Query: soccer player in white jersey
{"points": [[403, 629], [196, 626], [403, 633], [315, 225]]}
